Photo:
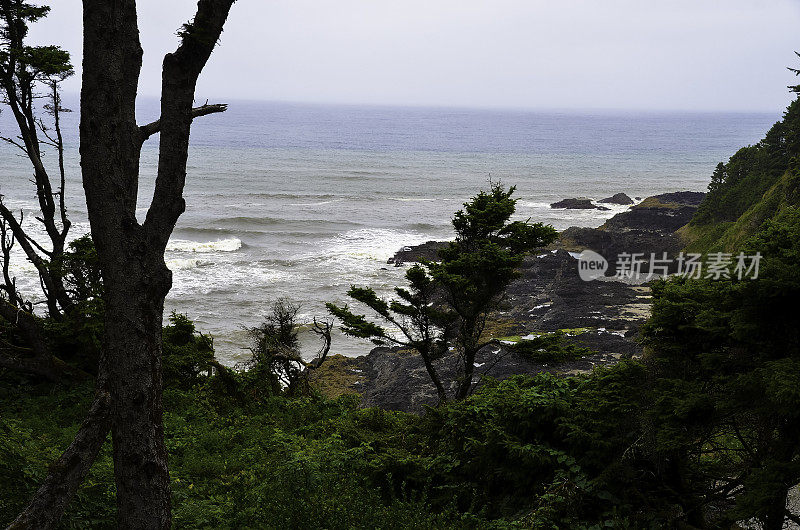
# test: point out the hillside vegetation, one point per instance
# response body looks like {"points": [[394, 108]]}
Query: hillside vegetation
{"points": [[756, 184]]}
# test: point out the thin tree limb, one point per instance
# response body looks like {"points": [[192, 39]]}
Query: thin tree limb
{"points": [[146, 131]]}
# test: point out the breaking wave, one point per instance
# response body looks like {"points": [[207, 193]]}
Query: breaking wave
{"points": [[223, 245]]}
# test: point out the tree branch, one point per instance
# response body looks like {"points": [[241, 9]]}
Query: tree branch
{"points": [[146, 131], [180, 71]]}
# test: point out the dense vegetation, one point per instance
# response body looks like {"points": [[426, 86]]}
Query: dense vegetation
{"points": [[756, 184], [702, 432]]}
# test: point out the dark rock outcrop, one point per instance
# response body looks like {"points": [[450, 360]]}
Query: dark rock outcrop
{"points": [[610, 244], [661, 213], [646, 228], [603, 315], [577, 204], [426, 251], [689, 198], [617, 198]]}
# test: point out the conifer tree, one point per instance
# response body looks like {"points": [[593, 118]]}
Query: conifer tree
{"points": [[447, 302]]}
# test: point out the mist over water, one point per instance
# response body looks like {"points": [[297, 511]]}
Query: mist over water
{"points": [[304, 200]]}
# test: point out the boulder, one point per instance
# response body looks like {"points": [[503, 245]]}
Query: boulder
{"points": [[425, 251], [581, 203], [617, 198]]}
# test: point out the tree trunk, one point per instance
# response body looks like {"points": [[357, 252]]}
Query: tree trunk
{"points": [[776, 513], [440, 391], [465, 384], [135, 277], [784, 452], [134, 315]]}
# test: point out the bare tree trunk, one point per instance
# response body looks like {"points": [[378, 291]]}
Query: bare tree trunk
{"points": [[437, 382], [465, 383], [131, 362], [776, 513], [470, 333], [135, 277], [785, 452]]}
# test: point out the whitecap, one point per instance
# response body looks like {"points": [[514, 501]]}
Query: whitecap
{"points": [[183, 264], [532, 204], [222, 245], [320, 203], [370, 244]]}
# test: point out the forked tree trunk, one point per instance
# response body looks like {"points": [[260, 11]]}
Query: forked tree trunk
{"points": [[135, 277]]}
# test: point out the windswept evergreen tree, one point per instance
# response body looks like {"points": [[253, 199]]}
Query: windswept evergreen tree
{"points": [[448, 301]]}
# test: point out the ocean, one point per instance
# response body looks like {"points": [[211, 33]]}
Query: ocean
{"points": [[301, 201]]}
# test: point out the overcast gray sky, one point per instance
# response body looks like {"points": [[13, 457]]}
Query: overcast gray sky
{"points": [[629, 54]]}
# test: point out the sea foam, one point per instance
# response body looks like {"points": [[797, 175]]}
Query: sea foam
{"points": [[223, 245]]}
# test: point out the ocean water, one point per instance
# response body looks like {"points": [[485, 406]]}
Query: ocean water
{"points": [[304, 200]]}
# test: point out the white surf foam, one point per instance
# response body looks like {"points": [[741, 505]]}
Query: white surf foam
{"points": [[371, 243], [223, 245], [183, 264]]}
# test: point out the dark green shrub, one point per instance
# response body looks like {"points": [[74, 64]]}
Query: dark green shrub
{"points": [[551, 348], [187, 354]]}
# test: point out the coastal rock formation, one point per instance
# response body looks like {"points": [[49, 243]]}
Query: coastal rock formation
{"points": [[660, 213], [646, 228], [581, 203], [548, 296], [617, 198], [425, 251]]}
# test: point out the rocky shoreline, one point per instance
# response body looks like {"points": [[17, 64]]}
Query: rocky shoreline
{"points": [[548, 296]]}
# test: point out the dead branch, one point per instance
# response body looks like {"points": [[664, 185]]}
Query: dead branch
{"points": [[146, 131]]}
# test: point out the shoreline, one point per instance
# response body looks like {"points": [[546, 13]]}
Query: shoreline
{"points": [[548, 297]]}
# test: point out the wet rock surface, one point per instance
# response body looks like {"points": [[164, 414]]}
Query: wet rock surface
{"points": [[577, 204], [549, 295], [663, 213], [647, 228], [426, 251], [617, 198]]}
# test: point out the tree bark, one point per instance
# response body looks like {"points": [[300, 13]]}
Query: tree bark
{"points": [[440, 391], [135, 277]]}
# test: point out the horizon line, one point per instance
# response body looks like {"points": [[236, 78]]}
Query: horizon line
{"points": [[479, 107]]}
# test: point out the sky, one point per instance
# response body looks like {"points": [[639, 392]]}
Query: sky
{"points": [[700, 55]]}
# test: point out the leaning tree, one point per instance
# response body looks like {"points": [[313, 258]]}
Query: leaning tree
{"points": [[448, 301], [30, 81], [131, 252]]}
